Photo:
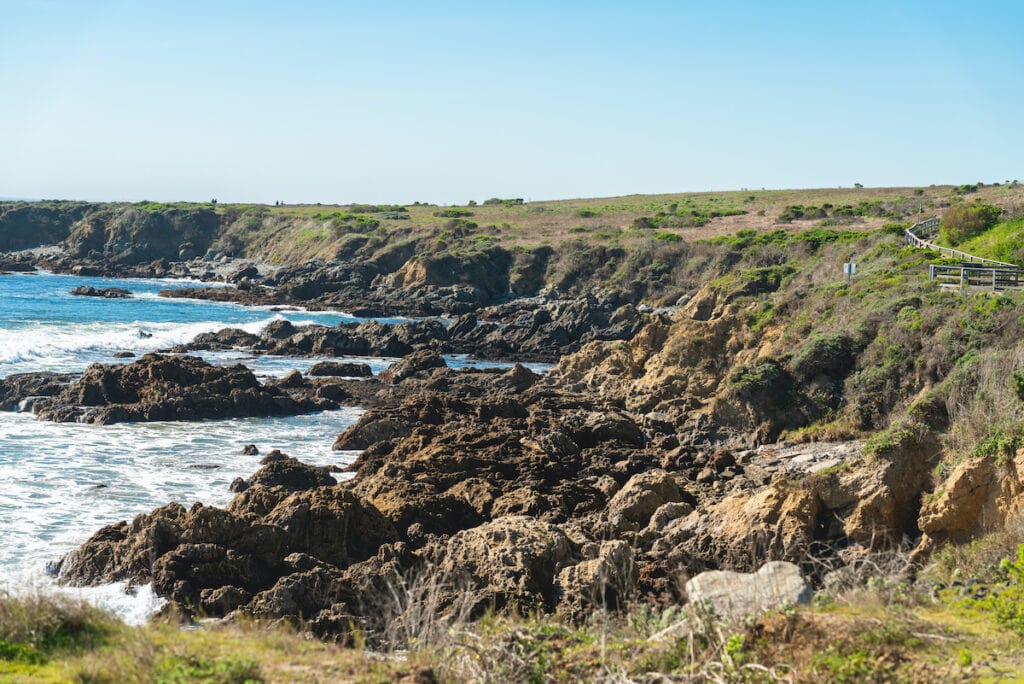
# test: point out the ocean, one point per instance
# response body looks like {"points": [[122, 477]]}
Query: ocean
{"points": [[62, 482]]}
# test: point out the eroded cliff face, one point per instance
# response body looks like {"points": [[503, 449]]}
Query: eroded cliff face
{"points": [[133, 237], [980, 495], [24, 226]]}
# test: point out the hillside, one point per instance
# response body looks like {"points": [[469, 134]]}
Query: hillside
{"points": [[504, 524], [295, 232]]}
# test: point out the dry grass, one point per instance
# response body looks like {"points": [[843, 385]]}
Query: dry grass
{"points": [[296, 232], [874, 631], [984, 404]]}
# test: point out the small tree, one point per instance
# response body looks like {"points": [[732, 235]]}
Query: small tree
{"points": [[964, 221]]}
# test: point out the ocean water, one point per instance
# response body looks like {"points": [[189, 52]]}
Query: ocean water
{"points": [[62, 482], [42, 326]]}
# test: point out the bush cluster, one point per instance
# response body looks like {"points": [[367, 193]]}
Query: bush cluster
{"points": [[964, 221]]}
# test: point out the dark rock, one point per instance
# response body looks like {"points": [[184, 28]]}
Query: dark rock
{"points": [[291, 474], [348, 370], [250, 450], [274, 456], [17, 388], [223, 600], [292, 379], [158, 387], [106, 292]]}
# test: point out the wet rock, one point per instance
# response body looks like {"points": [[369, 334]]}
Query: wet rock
{"points": [[105, 293], [347, 370], [292, 379], [291, 474], [372, 427], [159, 387], [265, 553], [250, 450], [274, 456], [14, 389]]}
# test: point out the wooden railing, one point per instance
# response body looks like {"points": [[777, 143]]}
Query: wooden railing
{"points": [[973, 272], [921, 234], [975, 276]]}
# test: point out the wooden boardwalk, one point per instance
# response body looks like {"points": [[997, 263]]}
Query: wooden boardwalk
{"points": [[972, 271]]}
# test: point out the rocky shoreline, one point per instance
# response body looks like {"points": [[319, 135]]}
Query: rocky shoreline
{"points": [[535, 491], [717, 434]]}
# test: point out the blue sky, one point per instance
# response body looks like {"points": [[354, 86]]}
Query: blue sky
{"points": [[450, 101]]}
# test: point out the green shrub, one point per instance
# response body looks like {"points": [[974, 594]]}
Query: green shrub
{"points": [[453, 213], [1017, 383], [175, 670], [964, 221], [831, 355], [764, 377], [586, 213], [20, 652], [797, 212], [1007, 604]]}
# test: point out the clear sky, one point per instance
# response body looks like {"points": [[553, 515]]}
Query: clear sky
{"points": [[382, 101]]}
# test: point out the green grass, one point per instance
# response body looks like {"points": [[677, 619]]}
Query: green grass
{"points": [[1002, 242]]}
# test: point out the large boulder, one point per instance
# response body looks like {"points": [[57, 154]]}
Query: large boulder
{"points": [[632, 506], [604, 582], [332, 524], [511, 561], [291, 474], [737, 595]]}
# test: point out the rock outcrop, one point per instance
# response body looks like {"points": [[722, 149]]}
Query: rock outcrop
{"points": [[275, 551], [161, 387], [21, 391], [103, 293]]}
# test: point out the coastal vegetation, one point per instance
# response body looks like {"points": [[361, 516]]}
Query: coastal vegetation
{"points": [[504, 526]]}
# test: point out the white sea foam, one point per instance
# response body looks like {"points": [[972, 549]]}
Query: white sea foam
{"points": [[67, 347], [65, 481]]}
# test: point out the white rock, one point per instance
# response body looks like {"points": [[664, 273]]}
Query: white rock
{"points": [[737, 595]]}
